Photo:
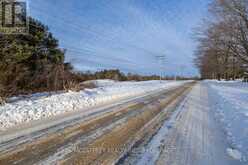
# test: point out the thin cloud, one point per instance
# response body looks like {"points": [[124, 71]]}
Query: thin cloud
{"points": [[127, 36]]}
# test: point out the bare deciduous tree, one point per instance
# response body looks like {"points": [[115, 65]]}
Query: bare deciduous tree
{"points": [[223, 46]]}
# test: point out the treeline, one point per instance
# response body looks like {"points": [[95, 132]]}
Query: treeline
{"points": [[223, 41], [115, 74]]}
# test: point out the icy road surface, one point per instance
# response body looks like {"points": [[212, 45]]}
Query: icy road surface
{"points": [[194, 135]]}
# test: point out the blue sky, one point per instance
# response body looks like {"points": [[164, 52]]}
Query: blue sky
{"points": [[125, 34]]}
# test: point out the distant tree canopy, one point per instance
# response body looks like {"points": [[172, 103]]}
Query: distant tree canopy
{"points": [[223, 41], [115, 74], [31, 61]]}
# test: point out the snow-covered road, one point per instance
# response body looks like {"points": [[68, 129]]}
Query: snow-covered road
{"points": [[194, 135], [196, 138], [203, 125]]}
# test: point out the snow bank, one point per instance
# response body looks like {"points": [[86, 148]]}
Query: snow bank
{"points": [[231, 109], [224, 81], [40, 106]]}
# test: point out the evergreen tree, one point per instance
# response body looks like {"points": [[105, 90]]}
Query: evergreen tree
{"points": [[30, 61]]}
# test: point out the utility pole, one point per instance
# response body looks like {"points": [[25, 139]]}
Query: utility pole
{"points": [[182, 67], [161, 60]]}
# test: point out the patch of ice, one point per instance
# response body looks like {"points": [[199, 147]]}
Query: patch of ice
{"points": [[153, 149]]}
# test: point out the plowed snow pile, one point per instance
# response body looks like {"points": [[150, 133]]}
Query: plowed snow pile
{"points": [[44, 105]]}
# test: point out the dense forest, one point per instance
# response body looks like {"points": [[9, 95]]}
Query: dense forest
{"points": [[223, 41]]}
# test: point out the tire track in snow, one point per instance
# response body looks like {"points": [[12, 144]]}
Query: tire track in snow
{"points": [[196, 138]]}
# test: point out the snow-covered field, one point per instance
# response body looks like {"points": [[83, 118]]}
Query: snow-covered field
{"points": [[230, 102], [45, 105]]}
